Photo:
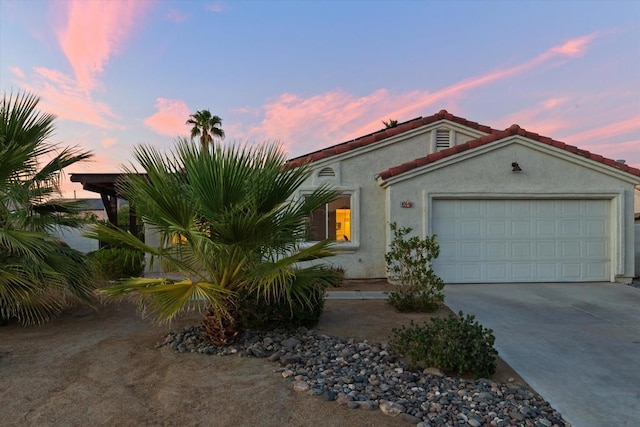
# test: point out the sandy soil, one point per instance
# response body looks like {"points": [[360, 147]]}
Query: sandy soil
{"points": [[102, 368]]}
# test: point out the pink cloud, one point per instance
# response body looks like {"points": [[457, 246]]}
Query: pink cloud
{"points": [[17, 72], [542, 118], [108, 142], [61, 96], [93, 32], [570, 48], [306, 124], [623, 127], [315, 121], [100, 162], [574, 47], [170, 118]]}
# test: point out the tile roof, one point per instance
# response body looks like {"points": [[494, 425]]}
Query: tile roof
{"points": [[497, 135], [384, 134]]}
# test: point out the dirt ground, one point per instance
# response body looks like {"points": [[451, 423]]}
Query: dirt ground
{"points": [[103, 368]]}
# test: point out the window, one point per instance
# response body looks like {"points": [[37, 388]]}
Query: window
{"points": [[332, 221]]}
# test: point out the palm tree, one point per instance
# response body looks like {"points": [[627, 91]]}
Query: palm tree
{"points": [[206, 126], [390, 124], [229, 224], [39, 275]]}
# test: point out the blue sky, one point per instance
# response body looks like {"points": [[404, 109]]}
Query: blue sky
{"points": [[310, 74]]}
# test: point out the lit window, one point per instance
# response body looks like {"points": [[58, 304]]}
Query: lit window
{"points": [[332, 221]]}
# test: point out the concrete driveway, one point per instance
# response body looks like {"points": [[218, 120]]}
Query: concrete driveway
{"points": [[578, 345]]}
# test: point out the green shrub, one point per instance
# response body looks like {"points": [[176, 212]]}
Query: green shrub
{"points": [[408, 261], [260, 314], [117, 263], [454, 344], [307, 291]]}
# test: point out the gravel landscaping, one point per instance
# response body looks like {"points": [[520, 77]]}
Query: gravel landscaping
{"points": [[369, 376]]}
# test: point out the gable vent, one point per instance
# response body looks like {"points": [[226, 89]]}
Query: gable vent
{"points": [[326, 173], [443, 139]]}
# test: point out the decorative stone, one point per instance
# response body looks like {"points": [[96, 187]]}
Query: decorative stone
{"points": [[368, 404], [410, 418], [290, 343], [390, 408], [433, 371], [300, 386]]}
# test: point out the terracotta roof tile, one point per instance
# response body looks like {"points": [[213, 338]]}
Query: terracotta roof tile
{"points": [[498, 135], [384, 134]]}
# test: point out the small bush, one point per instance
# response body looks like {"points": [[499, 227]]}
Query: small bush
{"points": [[454, 344], [307, 290], [258, 314], [409, 265], [117, 263]]}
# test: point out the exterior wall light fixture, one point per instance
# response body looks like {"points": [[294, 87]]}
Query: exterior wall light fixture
{"points": [[516, 167], [406, 204]]}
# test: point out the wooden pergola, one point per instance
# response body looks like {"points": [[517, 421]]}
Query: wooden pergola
{"points": [[105, 184]]}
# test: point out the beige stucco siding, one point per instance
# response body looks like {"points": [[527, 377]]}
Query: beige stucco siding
{"points": [[546, 173], [358, 170]]}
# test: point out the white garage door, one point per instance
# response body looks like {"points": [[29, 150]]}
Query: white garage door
{"points": [[485, 241]]}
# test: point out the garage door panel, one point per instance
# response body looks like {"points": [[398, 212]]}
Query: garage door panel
{"points": [[546, 210], [496, 250], [520, 227], [571, 208], [470, 271], [595, 228], [470, 210], [471, 229], [521, 250], [546, 271], [496, 272], [496, 229], [570, 228], [521, 271], [498, 210], [520, 209], [596, 269], [447, 251], [471, 251], [571, 271], [522, 240], [546, 227], [570, 250], [546, 249], [595, 249]]}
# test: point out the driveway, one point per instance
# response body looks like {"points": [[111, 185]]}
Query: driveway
{"points": [[578, 345]]}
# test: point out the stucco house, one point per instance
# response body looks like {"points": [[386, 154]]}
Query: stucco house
{"points": [[507, 205]]}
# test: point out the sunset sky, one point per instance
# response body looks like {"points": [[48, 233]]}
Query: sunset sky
{"points": [[310, 74]]}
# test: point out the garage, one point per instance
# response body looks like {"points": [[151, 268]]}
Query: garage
{"points": [[522, 240]]}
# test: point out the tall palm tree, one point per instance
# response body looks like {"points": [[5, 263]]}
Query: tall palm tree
{"points": [[39, 275], [229, 224], [206, 126]]}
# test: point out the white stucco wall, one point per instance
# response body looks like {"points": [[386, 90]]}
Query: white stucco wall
{"points": [[546, 173], [357, 170]]}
